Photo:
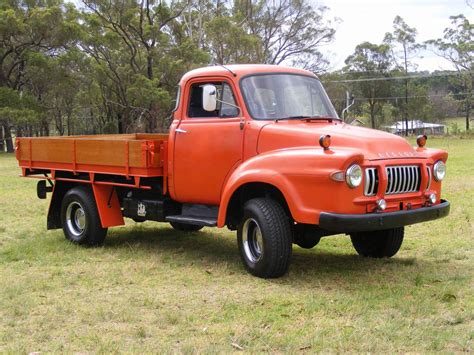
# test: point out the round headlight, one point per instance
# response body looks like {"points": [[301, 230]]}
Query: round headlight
{"points": [[439, 170], [354, 175]]}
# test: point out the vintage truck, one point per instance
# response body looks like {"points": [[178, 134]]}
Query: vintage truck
{"points": [[257, 148]]}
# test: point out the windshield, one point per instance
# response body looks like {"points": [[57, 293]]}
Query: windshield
{"points": [[286, 96]]}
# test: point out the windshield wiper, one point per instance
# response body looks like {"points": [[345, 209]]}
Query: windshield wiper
{"points": [[305, 117]]}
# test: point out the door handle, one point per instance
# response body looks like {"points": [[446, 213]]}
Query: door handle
{"points": [[179, 130]]}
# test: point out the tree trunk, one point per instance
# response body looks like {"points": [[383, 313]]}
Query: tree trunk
{"points": [[8, 139], [119, 123], [468, 114], [149, 70], [406, 102], [372, 113], [2, 141]]}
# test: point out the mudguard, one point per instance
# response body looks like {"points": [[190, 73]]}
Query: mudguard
{"points": [[302, 175]]}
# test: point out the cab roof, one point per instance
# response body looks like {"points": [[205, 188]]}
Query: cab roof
{"points": [[241, 70]]}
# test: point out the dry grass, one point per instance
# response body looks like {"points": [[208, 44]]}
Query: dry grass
{"points": [[153, 289]]}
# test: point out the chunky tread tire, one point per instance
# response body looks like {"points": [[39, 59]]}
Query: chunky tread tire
{"points": [[276, 234], [93, 234], [378, 244], [183, 227]]}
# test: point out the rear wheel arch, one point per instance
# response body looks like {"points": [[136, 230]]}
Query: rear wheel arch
{"points": [[247, 192]]}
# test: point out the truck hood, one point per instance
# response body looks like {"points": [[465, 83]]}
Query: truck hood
{"points": [[373, 144]]}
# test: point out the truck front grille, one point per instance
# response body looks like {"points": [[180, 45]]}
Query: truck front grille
{"points": [[401, 179], [371, 182]]}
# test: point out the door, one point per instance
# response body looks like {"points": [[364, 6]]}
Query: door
{"points": [[207, 145]]}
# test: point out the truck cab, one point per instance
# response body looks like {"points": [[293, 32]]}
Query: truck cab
{"points": [[261, 150]]}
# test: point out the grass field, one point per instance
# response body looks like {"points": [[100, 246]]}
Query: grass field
{"points": [[456, 123], [153, 289]]}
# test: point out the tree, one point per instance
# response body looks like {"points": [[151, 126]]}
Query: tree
{"points": [[290, 31], [138, 45], [370, 64], [29, 27], [457, 46], [404, 36]]}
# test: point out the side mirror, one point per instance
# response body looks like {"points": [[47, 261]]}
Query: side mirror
{"points": [[209, 98]]}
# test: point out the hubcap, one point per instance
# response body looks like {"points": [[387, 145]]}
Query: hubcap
{"points": [[76, 218], [252, 240]]}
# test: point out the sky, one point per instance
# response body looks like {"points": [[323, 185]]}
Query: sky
{"points": [[369, 20]]}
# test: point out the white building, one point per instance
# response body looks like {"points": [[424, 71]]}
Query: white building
{"points": [[416, 127]]}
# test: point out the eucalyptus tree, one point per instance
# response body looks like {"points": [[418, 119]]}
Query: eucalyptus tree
{"points": [[403, 39], [289, 31], [457, 46], [28, 29], [368, 67], [139, 49]]}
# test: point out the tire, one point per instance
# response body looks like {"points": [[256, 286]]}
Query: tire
{"points": [[183, 227], [378, 244], [305, 238], [307, 242], [264, 238], [80, 218]]}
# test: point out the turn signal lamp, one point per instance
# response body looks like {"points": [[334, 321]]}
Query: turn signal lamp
{"points": [[325, 141], [421, 140]]}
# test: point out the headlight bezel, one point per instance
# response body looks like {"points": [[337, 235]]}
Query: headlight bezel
{"points": [[439, 167], [354, 176]]}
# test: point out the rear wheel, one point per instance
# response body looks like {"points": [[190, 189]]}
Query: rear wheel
{"points": [[264, 238], [183, 227], [378, 244], [80, 218]]}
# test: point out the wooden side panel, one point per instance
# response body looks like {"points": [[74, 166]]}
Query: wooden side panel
{"points": [[54, 150], [109, 152], [137, 157]]}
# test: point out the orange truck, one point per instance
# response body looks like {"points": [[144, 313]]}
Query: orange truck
{"points": [[257, 148]]}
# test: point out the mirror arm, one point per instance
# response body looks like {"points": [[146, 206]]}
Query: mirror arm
{"points": [[241, 116]]}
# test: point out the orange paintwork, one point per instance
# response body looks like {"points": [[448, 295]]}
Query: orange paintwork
{"points": [[210, 158], [108, 205]]}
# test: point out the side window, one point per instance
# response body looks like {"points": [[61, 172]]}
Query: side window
{"points": [[178, 96], [224, 109]]}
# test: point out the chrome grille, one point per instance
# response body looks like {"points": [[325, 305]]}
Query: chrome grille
{"points": [[402, 179], [428, 169], [371, 182]]}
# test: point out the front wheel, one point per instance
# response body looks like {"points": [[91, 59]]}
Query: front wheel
{"points": [[80, 218], [378, 244], [264, 238]]}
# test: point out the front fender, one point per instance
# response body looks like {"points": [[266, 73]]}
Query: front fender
{"points": [[302, 175]]}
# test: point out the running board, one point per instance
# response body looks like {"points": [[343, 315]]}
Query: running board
{"points": [[198, 215], [194, 220]]}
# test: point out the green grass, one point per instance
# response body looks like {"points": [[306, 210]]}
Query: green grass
{"points": [[456, 125], [152, 289]]}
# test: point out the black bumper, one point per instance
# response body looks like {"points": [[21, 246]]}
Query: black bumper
{"points": [[346, 223]]}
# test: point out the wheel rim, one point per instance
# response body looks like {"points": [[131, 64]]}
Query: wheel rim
{"points": [[252, 239], [76, 218]]}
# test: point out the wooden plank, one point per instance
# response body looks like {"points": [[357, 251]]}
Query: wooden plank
{"points": [[50, 150], [100, 152]]}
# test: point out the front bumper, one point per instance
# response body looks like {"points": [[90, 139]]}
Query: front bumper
{"points": [[346, 223]]}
